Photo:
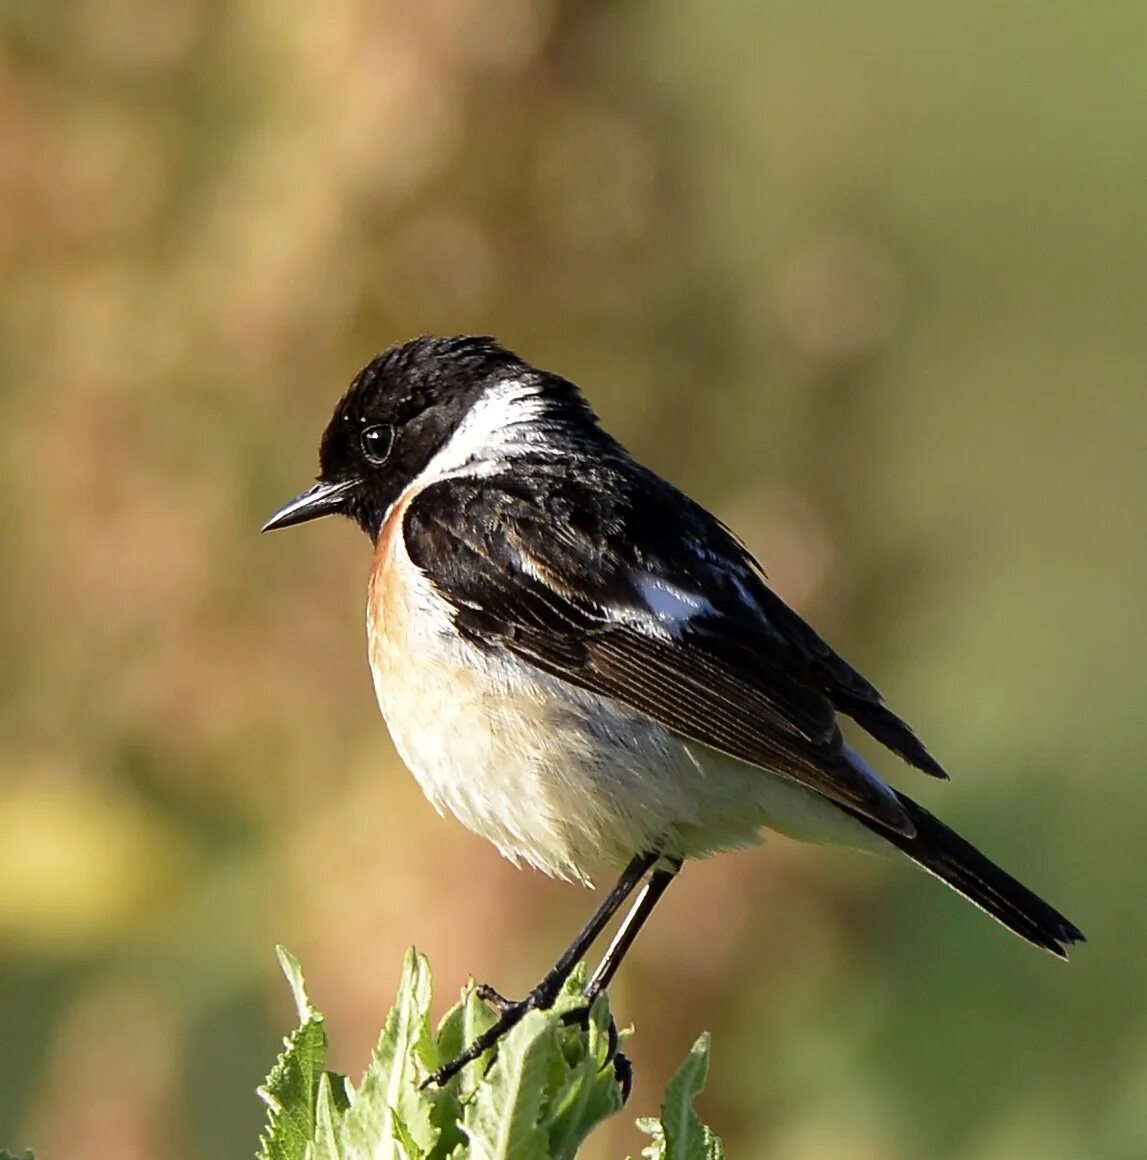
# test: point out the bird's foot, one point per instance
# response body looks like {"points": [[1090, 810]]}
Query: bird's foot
{"points": [[510, 1014], [622, 1067], [575, 1016]]}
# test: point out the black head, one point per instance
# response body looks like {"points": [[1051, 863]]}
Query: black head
{"points": [[400, 411]]}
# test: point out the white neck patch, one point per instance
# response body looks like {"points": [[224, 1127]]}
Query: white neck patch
{"points": [[497, 424]]}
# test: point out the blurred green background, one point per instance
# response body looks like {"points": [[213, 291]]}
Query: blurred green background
{"points": [[868, 280]]}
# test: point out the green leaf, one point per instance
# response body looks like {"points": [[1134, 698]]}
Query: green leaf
{"points": [[461, 1025], [390, 1115], [589, 1092], [502, 1121], [679, 1134], [410, 1146], [292, 1086], [6, 1155], [330, 1106]]}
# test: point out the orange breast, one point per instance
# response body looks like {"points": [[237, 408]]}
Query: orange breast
{"points": [[387, 595]]}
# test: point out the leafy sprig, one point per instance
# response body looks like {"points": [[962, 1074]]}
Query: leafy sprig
{"points": [[538, 1094]]}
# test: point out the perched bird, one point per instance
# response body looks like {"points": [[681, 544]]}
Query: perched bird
{"points": [[588, 668]]}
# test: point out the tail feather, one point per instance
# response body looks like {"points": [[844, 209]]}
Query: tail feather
{"points": [[947, 856]]}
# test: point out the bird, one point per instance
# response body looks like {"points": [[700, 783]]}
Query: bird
{"points": [[587, 668]]}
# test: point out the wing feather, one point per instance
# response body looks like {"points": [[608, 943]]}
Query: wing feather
{"points": [[521, 578]]}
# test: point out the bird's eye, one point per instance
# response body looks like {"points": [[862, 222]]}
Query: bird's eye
{"points": [[376, 443]]}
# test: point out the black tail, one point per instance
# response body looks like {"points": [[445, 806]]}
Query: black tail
{"points": [[945, 854]]}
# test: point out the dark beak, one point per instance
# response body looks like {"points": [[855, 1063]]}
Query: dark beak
{"points": [[324, 499]]}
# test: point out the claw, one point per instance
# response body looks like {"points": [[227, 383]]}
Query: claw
{"points": [[493, 998], [622, 1068], [580, 1016], [623, 1073]]}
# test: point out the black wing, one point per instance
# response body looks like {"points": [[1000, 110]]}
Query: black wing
{"points": [[550, 569]]}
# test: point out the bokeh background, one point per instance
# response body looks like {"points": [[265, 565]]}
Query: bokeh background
{"points": [[869, 280]]}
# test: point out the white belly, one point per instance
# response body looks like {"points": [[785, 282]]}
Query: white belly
{"points": [[563, 779]]}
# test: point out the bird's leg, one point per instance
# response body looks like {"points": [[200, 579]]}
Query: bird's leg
{"points": [[630, 928], [622, 940], [546, 992]]}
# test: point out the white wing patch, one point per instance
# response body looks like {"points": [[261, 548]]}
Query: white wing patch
{"points": [[670, 606]]}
